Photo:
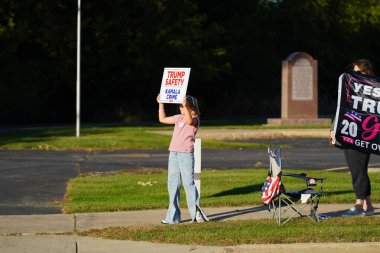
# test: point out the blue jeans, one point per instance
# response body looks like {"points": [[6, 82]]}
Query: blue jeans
{"points": [[181, 168]]}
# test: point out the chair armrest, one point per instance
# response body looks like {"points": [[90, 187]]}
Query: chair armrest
{"points": [[310, 181], [300, 176], [303, 176]]}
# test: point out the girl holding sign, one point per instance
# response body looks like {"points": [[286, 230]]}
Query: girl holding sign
{"points": [[181, 160], [357, 161]]}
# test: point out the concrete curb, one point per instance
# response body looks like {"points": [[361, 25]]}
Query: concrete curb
{"points": [[79, 244]]}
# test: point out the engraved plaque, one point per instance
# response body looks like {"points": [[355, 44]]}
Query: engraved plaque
{"points": [[302, 83], [299, 91]]}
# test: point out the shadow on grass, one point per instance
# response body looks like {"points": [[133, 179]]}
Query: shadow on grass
{"points": [[42, 134], [333, 193], [32, 135], [239, 190]]}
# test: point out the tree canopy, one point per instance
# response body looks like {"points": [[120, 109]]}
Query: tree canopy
{"points": [[235, 50]]}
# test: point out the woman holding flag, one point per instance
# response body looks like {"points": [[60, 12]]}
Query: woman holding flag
{"points": [[357, 161]]}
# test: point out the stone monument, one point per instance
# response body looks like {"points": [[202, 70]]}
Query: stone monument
{"points": [[299, 92]]}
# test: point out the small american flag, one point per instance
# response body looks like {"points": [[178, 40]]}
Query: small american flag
{"points": [[270, 189], [354, 116]]}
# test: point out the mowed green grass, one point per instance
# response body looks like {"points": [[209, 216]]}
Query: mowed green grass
{"points": [[148, 190], [128, 136], [264, 231], [100, 138]]}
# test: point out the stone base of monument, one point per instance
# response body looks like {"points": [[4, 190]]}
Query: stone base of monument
{"points": [[299, 121]]}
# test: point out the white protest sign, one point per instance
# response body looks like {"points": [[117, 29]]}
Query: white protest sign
{"points": [[174, 85]]}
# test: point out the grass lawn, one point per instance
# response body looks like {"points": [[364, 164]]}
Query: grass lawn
{"points": [[100, 138], [264, 231], [147, 190], [129, 136], [140, 190]]}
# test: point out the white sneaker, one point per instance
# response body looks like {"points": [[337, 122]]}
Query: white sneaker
{"points": [[198, 217]]}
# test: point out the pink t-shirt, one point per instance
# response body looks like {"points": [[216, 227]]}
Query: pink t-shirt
{"points": [[183, 135]]}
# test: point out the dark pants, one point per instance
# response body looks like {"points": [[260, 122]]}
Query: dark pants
{"points": [[358, 165]]}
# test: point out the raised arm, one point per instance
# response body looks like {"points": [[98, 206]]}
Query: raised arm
{"points": [[162, 115]]}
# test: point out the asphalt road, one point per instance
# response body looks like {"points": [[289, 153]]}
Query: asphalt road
{"points": [[34, 182]]}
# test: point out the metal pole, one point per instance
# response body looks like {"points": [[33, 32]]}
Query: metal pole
{"points": [[78, 73]]}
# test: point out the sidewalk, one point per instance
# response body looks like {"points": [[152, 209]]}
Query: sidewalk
{"points": [[37, 233]]}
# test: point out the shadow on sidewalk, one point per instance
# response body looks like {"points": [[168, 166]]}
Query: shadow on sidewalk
{"points": [[234, 213], [339, 213], [238, 212]]}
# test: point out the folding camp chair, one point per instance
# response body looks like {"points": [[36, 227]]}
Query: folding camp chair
{"points": [[285, 205]]}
